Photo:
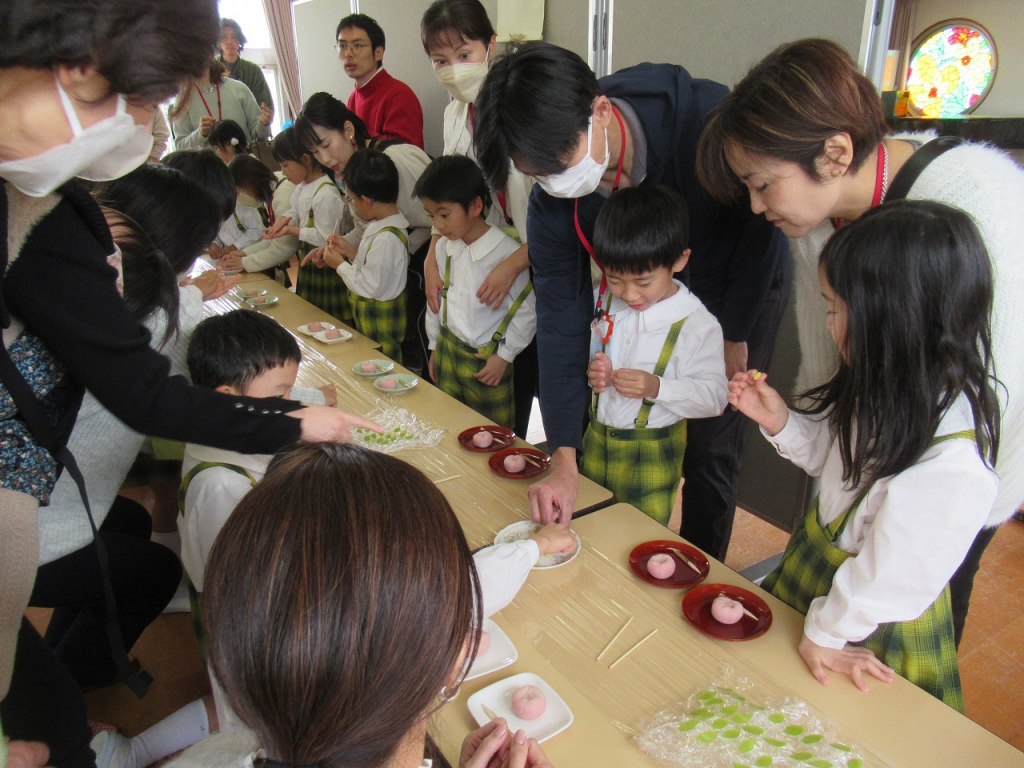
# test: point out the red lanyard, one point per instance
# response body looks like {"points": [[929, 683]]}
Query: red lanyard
{"points": [[881, 181], [576, 216], [220, 115]]}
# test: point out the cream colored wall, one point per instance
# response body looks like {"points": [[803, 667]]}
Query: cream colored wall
{"points": [[1004, 19]]}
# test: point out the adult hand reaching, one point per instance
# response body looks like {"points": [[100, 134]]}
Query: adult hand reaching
{"points": [[852, 661], [330, 425], [553, 499]]}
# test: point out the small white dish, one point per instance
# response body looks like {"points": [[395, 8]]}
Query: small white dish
{"points": [[270, 301], [229, 272], [323, 327], [498, 656], [322, 336], [498, 697], [524, 529], [250, 293], [405, 382], [380, 368]]}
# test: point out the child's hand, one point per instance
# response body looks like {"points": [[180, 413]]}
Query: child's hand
{"points": [[496, 285], [278, 229], [216, 252], [554, 537], [339, 245], [330, 395], [492, 372], [315, 257], [749, 393], [231, 261], [599, 372], [430, 365], [212, 284], [630, 382], [851, 660], [332, 256]]}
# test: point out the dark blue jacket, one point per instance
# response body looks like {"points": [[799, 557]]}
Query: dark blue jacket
{"points": [[734, 253]]}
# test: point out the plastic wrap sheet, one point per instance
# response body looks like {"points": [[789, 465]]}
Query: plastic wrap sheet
{"points": [[403, 431], [729, 724]]}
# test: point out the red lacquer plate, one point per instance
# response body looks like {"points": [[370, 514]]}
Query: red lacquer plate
{"points": [[503, 438], [497, 463], [697, 611], [684, 575]]}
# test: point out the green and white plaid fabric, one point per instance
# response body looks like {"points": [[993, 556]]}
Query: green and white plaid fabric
{"points": [[382, 321], [455, 362], [922, 650], [641, 466], [323, 288]]}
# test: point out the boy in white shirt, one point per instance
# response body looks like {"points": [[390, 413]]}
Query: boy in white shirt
{"points": [[376, 275], [658, 353], [473, 345]]}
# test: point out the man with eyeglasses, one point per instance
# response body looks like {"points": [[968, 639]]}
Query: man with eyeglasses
{"points": [[388, 106], [232, 43]]}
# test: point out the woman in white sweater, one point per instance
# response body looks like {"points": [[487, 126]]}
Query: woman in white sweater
{"points": [[803, 134]]}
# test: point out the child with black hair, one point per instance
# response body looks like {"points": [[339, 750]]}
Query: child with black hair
{"points": [[658, 352], [228, 140], [376, 274], [317, 207], [473, 345]]}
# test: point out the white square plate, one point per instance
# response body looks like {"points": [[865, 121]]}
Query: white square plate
{"points": [[498, 696], [322, 336], [323, 327], [499, 655]]}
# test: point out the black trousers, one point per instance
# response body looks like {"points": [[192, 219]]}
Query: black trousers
{"points": [[524, 375], [714, 446], [962, 583], [144, 576]]}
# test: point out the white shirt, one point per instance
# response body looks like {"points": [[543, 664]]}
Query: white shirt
{"points": [[410, 161], [380, 267], [470, 319], [324, 199], [242, 229], [269, 253], [909, 535], [694, 385], [458, 140]]}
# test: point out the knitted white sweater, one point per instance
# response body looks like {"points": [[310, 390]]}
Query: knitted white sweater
{"points": [[987, 184]]}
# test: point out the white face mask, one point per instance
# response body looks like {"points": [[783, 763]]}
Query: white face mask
{"points": [[463, 81], [248, 201], [580, 179], [107, 150]]}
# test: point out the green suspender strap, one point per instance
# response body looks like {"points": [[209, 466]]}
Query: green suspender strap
{"points": [[186, 481], [309, 219], [499, 334], [659, 370], [401, 234], [238, 221]]}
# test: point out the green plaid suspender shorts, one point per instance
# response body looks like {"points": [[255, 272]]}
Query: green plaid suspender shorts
{"points": [[324, 287], [455, 362], [641, 466], [382, 321], [921, 650]]}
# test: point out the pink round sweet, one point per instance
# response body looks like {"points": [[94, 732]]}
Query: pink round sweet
{"points": [[250, 293], [483, 439], [515, 463], [485, 643], [528, 702], [368, 367], [316, 326], [661, 566], [726, 610], [333, 333], [259, 300], [388, 384]]}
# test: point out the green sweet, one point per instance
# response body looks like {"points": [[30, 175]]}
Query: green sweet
{"points": [[793, 730], [774, 742], [855, 762], [705, 696], [714, 702], [754, 729], [819, 763], [707, 737], [802, 755], [702, 714], [777, 717], [764, 761], [841, 747], [688, 725], [741, 717], [814, 738], [719, 723], [732, 733], [747, 745], [731, 709]]}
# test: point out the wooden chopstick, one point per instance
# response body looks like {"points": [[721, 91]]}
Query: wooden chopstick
{"points": [[652, 633], [614, 638], [446, 479], [684, 558], [489, 712]]}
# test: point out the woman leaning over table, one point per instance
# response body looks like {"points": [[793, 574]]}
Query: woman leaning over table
{"points": [[803, 134], [79, 80]]}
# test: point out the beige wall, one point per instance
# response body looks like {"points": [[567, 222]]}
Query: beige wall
{"points": [[1004, 19]]}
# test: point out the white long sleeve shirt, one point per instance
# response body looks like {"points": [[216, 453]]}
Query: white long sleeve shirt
{"points": [[694, 385], [470, 319], [327, 204], [909, 535], [269, 253], [410, 161], [242, 229], [380, 267]]}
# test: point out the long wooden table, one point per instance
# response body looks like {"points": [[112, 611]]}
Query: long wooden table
{"points": [[562, 618]]}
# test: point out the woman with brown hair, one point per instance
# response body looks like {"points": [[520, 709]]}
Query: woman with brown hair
{"points": [[804, 135], [339, 602]]}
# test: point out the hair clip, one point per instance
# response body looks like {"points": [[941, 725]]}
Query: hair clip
{"points": [[234, 142]]}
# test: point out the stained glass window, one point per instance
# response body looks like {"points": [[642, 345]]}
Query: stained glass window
{"points": [[951, 69]]}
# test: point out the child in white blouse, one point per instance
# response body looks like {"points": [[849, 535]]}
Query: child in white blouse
{"points": [[472, 343], [903, 436], [658, 356]]}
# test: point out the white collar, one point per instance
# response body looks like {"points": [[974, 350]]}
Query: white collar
{"points": [[250, 462], [394, 220], [664, 313], [376, 72], [480, 247]]}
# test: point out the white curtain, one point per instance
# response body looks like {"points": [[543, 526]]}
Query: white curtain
{"points": [[899, 39], [279, 20]]}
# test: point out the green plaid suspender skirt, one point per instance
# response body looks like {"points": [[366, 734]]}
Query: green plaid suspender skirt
{"points": [[455, 363], [921, 650], [641, 466], [382, 321], [324, 287]]}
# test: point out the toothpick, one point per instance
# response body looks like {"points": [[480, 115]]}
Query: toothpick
{"points": [[623, 656], [446, 479], [489, 712], [614, 638], [685, 559], [745, 611]]}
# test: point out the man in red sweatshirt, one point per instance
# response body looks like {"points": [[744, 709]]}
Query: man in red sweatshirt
{"points": [[388, 106]]}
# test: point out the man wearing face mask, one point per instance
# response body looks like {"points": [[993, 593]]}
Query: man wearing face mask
{"points": [[582, 139]]}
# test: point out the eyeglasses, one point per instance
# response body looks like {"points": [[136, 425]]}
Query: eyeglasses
{"points": [[355, 48]]}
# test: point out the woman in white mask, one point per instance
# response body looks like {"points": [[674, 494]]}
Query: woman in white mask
{"points": [[79, 80], [461, 43]]}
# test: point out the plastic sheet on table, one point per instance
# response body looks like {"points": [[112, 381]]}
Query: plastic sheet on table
{"points": [[730, 724], [403, 431]]}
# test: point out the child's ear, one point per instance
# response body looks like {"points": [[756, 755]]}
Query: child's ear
{"points": [[476, 208], [224, 389], [681, 262]]}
